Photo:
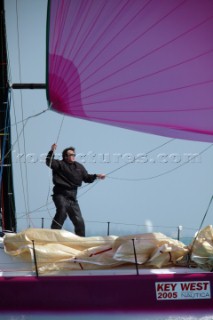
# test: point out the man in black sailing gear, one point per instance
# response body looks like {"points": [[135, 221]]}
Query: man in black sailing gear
{"points": [[68, 175]]}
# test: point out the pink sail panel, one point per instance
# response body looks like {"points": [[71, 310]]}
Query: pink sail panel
{"points": [[144, 65]]}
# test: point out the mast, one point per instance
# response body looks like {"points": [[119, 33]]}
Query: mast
{"points": [[7, 201]]}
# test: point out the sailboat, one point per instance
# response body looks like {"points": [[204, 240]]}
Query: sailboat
{"points": [[133, 65]]}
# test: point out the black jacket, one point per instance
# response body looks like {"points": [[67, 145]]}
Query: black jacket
{"points": [[67, 176]]}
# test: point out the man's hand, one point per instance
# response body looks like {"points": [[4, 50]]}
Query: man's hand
{"points": [[101, 176], [53, 147]]}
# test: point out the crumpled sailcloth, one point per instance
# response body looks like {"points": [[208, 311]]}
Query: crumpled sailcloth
{"points": [[60, 250]]}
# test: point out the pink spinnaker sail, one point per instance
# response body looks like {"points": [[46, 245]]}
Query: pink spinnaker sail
{"points": [[144, 65]]}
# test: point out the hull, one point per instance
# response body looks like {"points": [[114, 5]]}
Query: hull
{"points": [[107, 293], [98, 288]]}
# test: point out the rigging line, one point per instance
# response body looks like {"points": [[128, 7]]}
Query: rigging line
{"points": [[46, 204], [131, 224], [48, 194], [92, 186], [154, 149], [164, 173], [59, 131], [24, 122], [49, 174], [21, 172], [51, 217], [3, 147], [14, 111], [34, 210], [12, 145], [16, 141], [204, 217], [26, 119], [22, 111], [9, 92], [136, 224], [19, 134]]}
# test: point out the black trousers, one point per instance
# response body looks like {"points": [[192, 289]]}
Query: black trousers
{"points": [[68, 206]]}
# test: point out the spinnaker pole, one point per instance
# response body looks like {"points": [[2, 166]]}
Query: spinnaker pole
{"points": [[28, 86]]}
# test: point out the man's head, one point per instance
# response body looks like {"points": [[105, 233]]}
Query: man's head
{"points": [[68, 154]]}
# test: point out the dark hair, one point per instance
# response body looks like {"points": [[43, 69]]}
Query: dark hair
{"points": [[64, 153]]}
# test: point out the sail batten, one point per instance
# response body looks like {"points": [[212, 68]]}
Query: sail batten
{"points": [[133, 64]]}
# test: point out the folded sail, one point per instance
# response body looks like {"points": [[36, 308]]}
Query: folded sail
{"points": [[60, 250], [142, 65]]}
